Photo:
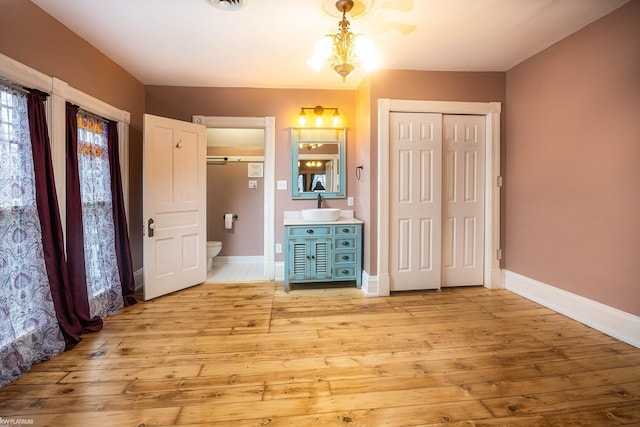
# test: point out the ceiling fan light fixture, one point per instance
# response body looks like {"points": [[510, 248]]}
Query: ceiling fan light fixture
{"points": [[228, 5], [344, 50]]}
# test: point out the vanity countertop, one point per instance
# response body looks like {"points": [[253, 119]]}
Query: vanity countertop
{"points": [[295, 218]]}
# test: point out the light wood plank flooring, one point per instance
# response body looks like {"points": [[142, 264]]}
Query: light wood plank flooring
{"points": [[248, 354]]}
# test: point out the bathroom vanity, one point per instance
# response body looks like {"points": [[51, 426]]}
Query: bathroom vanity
{"points": [[322, 250]]}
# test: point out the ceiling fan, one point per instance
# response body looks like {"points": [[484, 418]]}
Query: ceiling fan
{"points": [[228, 5], [378, 16]]}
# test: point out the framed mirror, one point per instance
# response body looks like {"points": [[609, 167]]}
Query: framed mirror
{"points": [[318, 163]]}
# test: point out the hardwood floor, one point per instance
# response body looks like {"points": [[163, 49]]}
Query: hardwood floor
{"points": [[248, 354]]}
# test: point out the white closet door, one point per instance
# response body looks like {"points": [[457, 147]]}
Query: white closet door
{"points": [[415, 201], [463, 200], [436, 200]]}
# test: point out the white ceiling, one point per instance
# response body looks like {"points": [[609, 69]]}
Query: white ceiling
{"points": [[266, 43]]}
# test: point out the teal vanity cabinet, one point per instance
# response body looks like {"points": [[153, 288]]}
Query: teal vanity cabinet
{"points": [[328, 252]]}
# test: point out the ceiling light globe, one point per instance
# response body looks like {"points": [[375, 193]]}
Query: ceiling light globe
{"points": [[323, 47]]}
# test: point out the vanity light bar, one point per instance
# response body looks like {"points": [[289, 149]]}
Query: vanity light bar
{"points": [[318, 111]]}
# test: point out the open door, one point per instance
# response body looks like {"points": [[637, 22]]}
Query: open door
{"points": [[174, 208]]}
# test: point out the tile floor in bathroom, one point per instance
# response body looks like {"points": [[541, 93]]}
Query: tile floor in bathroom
{"points": [[236, 272]]}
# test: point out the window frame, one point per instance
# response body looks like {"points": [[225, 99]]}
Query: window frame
{"points": [[61, 93]]}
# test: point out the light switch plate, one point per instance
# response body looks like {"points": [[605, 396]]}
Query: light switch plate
{"points": [[282, 185]]}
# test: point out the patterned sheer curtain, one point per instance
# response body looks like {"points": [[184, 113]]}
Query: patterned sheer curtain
{"points": [[29, 330], [101, 264]]}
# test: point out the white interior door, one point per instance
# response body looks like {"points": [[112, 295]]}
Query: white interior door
{"points": [[463, 200], [415, 201], [174, 187]]}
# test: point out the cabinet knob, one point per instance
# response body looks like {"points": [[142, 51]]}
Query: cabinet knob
{"points": [[345, 230], [345, 257], [310, 231], [345, 243], [345, 271]]}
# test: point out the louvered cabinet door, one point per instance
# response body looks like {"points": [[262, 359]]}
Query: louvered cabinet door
{"points": [[310, 259], [320, 260], [299, 266]]}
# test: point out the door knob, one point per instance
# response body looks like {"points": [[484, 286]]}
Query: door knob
{"points": [[150, 227]]}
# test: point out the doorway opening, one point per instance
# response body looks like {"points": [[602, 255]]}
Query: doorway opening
{"points": [[252, 267]]}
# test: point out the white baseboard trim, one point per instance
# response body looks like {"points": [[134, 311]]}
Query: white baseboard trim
{"points": [[370, 285], [279, 266], [606, 319]]}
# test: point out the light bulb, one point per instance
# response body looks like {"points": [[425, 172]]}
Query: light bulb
{"points": [[365, 50], [321, 52], [315, 62]]}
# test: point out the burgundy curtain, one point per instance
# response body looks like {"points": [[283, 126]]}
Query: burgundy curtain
{"points": [[48, 212], [75, 230], [123, 250]]}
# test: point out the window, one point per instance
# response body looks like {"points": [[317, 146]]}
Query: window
{"points": [[29, 330], [101, 264]]}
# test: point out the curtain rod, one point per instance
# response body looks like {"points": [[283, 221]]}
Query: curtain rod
{"points": [[93, 115], [217, 158], [236, 159], [14, 85]]}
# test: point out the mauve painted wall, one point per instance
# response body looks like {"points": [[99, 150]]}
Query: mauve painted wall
{"points": [[411, 85], [34, 38], [228, 192], [284, 104], [573, 163]]}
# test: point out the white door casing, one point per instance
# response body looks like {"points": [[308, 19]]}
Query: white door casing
{"points": [[174, 207], [492, 277], [463, 200], [415, 201]]}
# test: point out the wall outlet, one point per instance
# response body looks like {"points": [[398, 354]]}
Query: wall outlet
{"points": [[253, 184], [282, 185], [278, 248], [349, 201]]}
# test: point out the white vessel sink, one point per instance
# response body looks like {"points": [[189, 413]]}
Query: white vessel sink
{"points": [[321, 215]]}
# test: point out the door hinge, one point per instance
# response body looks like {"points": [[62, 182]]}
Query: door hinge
{"points": [[498, 253], [499, 182]]}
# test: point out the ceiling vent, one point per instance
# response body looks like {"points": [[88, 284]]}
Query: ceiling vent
{"points": [[228, 5]]}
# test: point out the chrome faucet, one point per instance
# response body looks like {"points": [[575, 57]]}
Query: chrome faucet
{"points": [[319, 200]]}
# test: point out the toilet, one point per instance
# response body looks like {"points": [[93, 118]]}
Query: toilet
{"points": [[213, 248]]}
